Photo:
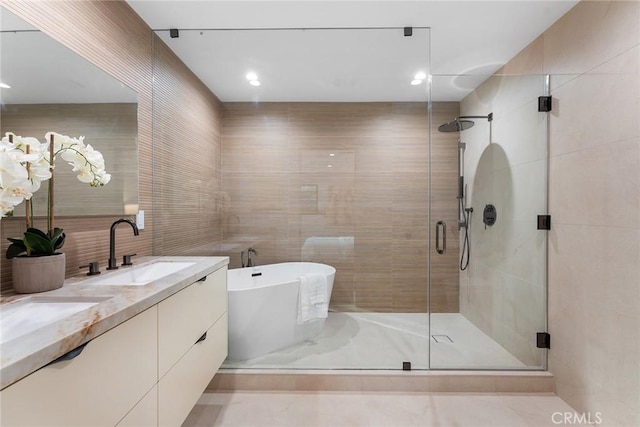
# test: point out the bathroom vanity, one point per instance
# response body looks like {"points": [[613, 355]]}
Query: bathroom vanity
{"points": [[140, 353]]}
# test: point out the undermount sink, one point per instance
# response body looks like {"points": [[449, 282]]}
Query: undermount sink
{"points": [[31, 313], [140, 275]]}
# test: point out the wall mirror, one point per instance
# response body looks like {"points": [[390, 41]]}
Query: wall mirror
{"points": [[54, 89]]}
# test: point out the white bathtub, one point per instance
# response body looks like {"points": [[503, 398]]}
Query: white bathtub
{"points": [[263, 309]]}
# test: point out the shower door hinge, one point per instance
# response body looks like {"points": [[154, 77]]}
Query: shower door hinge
{"points": [[406, 366], [543, 340], [544, 222], [544, 104]]}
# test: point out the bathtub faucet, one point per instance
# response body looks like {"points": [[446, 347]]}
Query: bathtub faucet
{"points": [[249, 262], [250, 252]]}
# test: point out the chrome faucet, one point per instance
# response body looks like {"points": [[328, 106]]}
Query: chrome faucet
{"points": [[112, 241]]}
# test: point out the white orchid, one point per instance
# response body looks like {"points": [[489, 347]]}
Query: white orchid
{"points": [[84, 159], [25, 164], [15, 184]]}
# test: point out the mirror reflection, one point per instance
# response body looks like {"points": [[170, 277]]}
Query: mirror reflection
{"points": [[52, 88]]}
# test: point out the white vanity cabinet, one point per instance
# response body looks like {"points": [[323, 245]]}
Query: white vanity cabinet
{"points": [[147, 371], [192, 339], [145, 413], [97, 387]]}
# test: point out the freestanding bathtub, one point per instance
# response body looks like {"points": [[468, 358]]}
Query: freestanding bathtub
{"points": [[263, 307]]}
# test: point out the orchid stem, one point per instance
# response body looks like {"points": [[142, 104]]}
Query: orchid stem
{"points": [[50, 203]]}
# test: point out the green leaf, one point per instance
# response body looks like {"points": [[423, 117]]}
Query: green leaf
{"points": [[16, 248], [38, 243], [38, 232], [57, 244], [53, 236]]}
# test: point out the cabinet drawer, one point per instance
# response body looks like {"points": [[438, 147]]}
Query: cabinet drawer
{"points": [[186, 315], [83, 391], [145, 413], [183, 385]]}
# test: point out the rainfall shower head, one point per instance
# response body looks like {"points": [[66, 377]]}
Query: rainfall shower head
{"points": [[456, 125], [460, 123]]}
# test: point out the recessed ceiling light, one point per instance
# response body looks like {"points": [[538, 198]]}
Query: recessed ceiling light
{"points": [[252, 76], [329, 166], [5, 86], [331, 154], [420, 76], [416, 82], [254, 83]]}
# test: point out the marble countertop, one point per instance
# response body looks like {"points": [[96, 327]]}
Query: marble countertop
{"points": [[27, 353]]}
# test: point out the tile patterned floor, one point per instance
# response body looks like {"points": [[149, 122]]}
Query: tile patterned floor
{"points": [[336, 409], [385, 340]]}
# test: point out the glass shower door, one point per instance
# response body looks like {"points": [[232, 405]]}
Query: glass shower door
{"points": [[488, 286]]}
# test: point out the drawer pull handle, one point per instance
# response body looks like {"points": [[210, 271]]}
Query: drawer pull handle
{"points": [[202, 280], [69, 355], [202, 338]]}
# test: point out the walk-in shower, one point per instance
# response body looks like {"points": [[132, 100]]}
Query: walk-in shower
{"points": [[464, 212], [348, 169]]}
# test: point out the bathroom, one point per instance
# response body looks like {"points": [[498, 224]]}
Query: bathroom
{"points": [[591, 54]]}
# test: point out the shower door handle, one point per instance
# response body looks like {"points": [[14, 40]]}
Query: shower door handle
{"points": [[443, 225]]}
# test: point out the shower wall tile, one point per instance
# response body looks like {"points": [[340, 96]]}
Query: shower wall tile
{"points": [[590, 34], [594, 253], [522, 253], [410, 155], [253, 120], [528, 61], [593, 312], [598, 107], [340, 120], [522, 133], [597, 185], [505, 165], [278, 189], [521, 189], [410, 120]]}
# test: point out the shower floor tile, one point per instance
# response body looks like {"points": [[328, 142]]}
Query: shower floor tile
{"points": [[385, 340]]}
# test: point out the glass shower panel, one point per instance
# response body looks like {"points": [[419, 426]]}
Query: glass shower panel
{"points": [[495, 187], [325, 159], [359, 201]]}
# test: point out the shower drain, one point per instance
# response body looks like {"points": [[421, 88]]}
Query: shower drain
{"points": [[441, 338]]}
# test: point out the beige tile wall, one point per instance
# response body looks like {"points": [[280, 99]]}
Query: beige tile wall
{"points": [[366, 214], [187, 123], [593, 56]]}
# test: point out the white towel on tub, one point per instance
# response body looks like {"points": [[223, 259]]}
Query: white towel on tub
{"points": [[313, 302]]}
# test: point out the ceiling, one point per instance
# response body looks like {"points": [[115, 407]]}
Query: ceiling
{"points": [[466, 42]]}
